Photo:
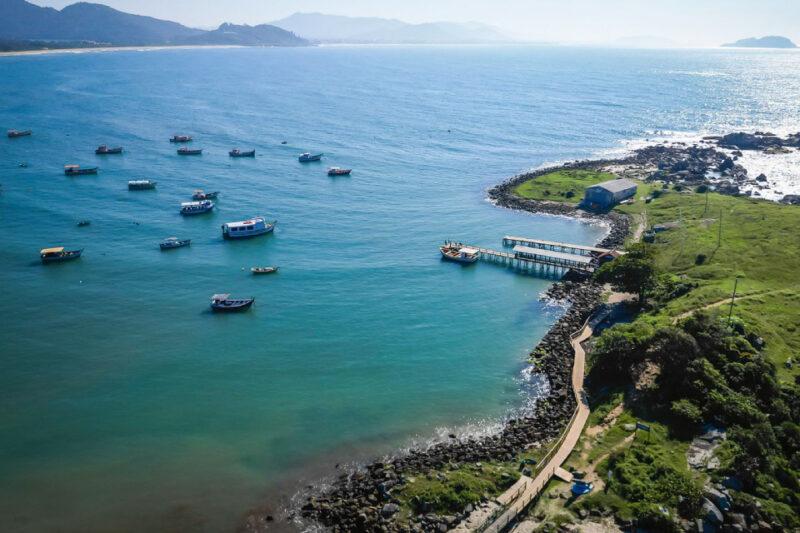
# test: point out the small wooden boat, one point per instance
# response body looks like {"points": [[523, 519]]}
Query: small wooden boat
{"points": [[174, 242], [190, 151], [455, 251], [224, 303], [13, 134], [199, 194], [83, 223], [337, 171], [264, 270], [105, 150], [141, 185], [180, 139], [76, 170], [58, 254], [309, 157], [196, 208], [238, 153]]}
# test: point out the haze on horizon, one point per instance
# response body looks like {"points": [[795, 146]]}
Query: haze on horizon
{"points": [[676, 22]]}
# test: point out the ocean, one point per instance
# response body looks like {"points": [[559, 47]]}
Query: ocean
{"points": [[126, 405]]}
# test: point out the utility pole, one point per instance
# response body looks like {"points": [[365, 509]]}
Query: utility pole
{"points": [[706, 207], [719, 237], [733, 299]]}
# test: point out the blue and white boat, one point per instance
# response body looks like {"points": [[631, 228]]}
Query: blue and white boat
{"points": [[308, 157], [196, 208], [247, 228]]}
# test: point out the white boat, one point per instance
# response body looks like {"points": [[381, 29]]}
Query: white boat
{"points": [[174, 242], [247, 228], [196, 208], [455, 251]]}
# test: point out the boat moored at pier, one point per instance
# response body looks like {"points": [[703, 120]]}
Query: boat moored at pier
{"points": [[190, 151], [455, 251], [174, 242], [247, 228], [199, 194], [238, 153], [105, 150], [13, 134], [141, 185], [180, 139], [308, 157], [224, 303], [196, 208], [58, 254], [338, 171], [76, 170]]}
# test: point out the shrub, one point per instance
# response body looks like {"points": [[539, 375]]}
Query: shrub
{"points": [[700, 259]]}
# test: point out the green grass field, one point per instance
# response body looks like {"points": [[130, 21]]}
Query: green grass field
{"points": [[556, 185]]}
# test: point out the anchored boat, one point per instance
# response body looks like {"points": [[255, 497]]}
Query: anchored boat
{"points": [[455, 251], [190, 151], [264, 270], [58, 254], [174, 242], [196, 208], [180, 139], [238, 153], [337, 171], [199, 194], [247, 228], [141, 185], [105, 150], [13, 134], [224, 302], [84, 223], [309, 157], [76, 170]]}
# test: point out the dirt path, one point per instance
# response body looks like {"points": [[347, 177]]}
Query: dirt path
{"points": [[728, 300]]}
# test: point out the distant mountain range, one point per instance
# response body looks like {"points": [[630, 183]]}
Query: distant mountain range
{"points": [[340, 29], [771, 41], [25, 25]]}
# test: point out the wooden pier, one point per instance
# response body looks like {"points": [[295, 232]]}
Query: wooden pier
{"points": [[564, 247], [537, 261]]}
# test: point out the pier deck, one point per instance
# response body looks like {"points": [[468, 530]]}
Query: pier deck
{"points": [[565, 247], [537, 260]]}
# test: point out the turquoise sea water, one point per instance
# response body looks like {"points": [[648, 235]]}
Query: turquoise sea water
{"points": [[125, 405]]}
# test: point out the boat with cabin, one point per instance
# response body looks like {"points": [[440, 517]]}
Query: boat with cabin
{"points": [[190, 151], [105, 150], [455, 251], [13, 134], [338, 171], [141, 185], [238, 153], [308, 157], [224, 302], [247, 228], [199, 194], [181, 139], [58, 254], [264, 270], [174, 242], [196, 208], [76, 170]]}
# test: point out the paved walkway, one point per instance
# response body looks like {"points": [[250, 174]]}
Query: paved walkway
{"points": [[569, 440]]}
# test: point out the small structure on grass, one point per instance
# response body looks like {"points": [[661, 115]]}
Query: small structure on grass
{"points": [[608, 194]]}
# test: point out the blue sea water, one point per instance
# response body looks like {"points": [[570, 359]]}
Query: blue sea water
{"points": [[126, 405]]}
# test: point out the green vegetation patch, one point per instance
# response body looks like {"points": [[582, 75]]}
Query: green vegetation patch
{"points": [[561, 185]]}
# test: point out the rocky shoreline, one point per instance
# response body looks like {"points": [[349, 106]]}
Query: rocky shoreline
{"points": [[362, 500]]}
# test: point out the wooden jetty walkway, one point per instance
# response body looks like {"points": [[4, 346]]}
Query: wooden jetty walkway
{"points": [[520, 496], [565, 247], [537, 260]]}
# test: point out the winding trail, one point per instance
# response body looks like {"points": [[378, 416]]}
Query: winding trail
{"points": [[567, 441]]}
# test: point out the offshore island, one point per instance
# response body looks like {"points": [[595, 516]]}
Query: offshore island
{"points": [[688, 418]]}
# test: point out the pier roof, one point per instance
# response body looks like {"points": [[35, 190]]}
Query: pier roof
{"points": [[562, 256], [542, 242]]}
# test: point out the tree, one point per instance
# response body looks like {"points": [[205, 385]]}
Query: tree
{"points": [[633, 272]]}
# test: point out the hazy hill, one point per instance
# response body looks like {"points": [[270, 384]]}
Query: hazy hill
{"points": [[25, 25], [243, 35], [770, 41], [341, 29]]}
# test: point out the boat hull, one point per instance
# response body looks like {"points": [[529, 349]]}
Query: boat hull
{"points": [[81, 172], [458, 258], [15, 134], [173, 245], [248, 235], [108, 151], [66, 256], [232, 306], [190, 152], [251, 153]]}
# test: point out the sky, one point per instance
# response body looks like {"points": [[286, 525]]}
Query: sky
{"points": [[686, 22]]}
